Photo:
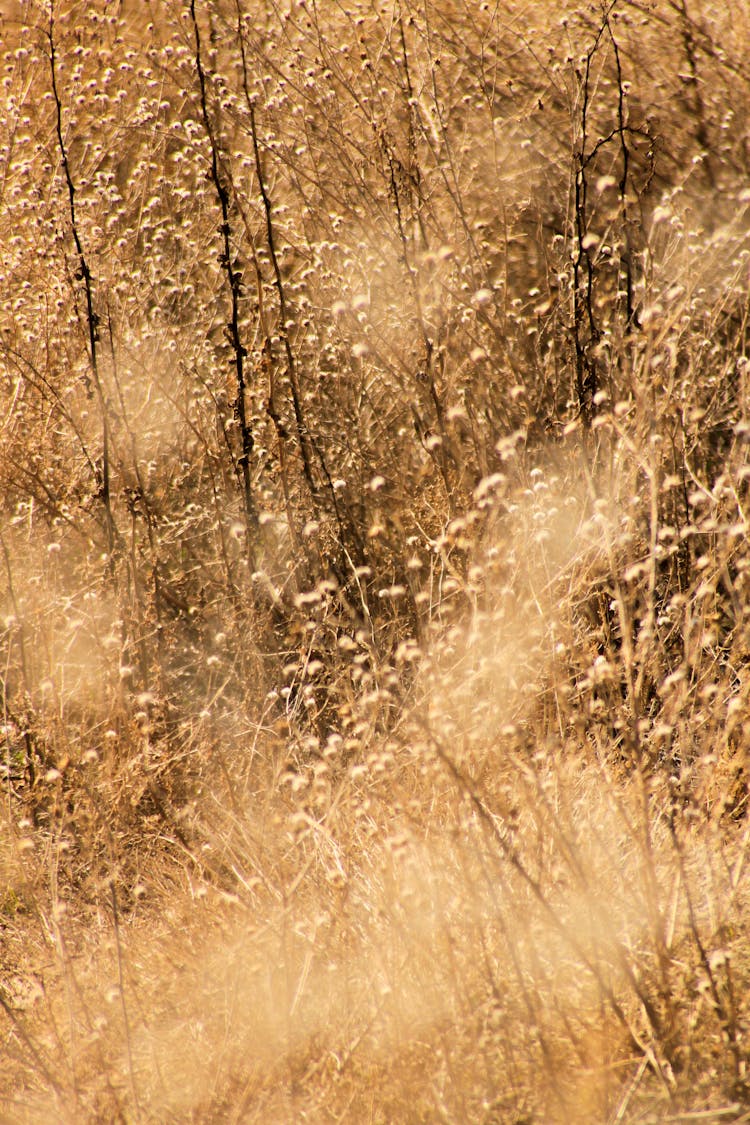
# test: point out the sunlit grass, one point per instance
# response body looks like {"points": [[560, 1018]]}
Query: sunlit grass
{"points": [[373, 541]]}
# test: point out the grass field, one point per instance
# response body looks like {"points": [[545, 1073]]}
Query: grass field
{"points": [[374, 576]]}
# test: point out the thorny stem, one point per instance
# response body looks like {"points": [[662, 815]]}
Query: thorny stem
{"points": [[626, 257], [404, 187], [302, 430], [234, 282], [586, 328], [583, 271], [92, 319], [694, 83], [309, 448]]}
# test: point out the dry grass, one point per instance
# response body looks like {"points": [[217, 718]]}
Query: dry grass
{"points": [[373, 475]]}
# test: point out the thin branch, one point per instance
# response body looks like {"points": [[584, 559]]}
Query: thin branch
{"points": [[234, 283], [92, 318]]}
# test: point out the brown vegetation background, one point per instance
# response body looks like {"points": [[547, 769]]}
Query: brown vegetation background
{"points": [[374, 650]]}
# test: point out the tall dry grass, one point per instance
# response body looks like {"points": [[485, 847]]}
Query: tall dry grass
{"points": [[373, 464]]}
